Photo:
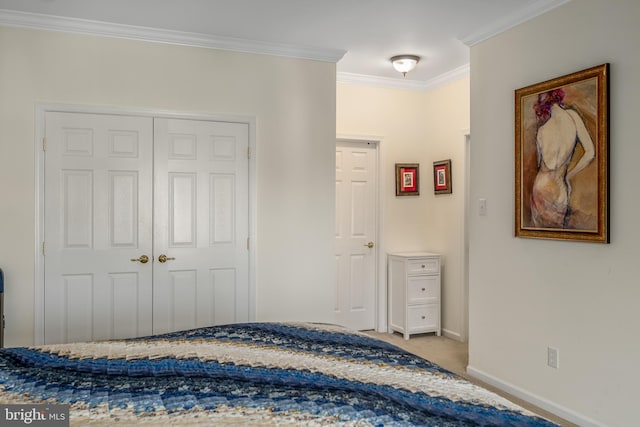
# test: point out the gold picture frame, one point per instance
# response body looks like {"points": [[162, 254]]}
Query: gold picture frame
{"points": [[407, 179], [442, 177], [562, 158]]}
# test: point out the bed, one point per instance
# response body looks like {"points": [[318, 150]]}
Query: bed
{"points": [[250, 374]]}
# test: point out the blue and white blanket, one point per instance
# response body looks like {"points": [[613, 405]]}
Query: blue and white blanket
{"points": [[250, 374]]}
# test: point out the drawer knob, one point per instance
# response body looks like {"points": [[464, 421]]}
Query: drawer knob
{"points": [[423, 289], [423, 317], [424, 266]]}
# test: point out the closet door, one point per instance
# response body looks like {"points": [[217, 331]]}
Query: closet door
{"points": [[98, 227], [201, 224]]}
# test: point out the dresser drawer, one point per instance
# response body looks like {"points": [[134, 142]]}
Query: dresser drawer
{"points": [[423, 265], [422, 318], [423, 289]]}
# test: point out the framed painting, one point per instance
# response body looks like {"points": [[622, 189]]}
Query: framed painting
{"points": [[407, 179], [442, 177], [562, 157]]}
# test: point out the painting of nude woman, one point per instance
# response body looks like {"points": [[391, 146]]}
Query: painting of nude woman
{"points": [[562, 158]]}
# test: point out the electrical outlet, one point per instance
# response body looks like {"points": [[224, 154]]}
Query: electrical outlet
{"points": [[553, 357]]}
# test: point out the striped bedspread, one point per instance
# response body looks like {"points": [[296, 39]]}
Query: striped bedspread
{"points": [[250, 374]]}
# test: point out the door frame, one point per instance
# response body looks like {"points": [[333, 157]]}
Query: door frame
{"points": [[380, 258], [466, 206], [40, 113]]}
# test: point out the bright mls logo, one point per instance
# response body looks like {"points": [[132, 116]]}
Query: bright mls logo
{"points": [[34, 415]]}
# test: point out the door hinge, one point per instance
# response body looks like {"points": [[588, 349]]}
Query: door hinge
{"points": [[248, 243], [44, 249], [44, 143], [248, 152]]}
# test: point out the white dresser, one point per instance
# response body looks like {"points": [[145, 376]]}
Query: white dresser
{"points": [[414, 293]]}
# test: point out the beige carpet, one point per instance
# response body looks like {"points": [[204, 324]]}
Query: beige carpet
{"points": [[454, 356]]}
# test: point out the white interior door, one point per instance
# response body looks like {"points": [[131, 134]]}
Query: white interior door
{"points": [[201, 224], [98, 198], [356, 179], [121, 188]]}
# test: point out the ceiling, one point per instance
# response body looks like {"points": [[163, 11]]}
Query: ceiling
{"points": [[360, 35]]}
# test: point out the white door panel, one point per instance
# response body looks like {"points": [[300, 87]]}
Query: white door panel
{"points": [[201, 194], [119, 187], [355, 227], [98, 196]]}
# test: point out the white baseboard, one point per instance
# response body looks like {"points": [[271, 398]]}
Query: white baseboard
{"points": [[451, 334], [383, 328], [538, 401]]}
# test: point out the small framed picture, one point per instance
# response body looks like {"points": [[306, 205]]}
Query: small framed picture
{"points": [[442, 177], [407, 179]]}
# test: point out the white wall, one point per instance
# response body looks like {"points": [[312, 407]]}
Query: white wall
{"points": [[294, 105], [526, 294], [418, 127]]}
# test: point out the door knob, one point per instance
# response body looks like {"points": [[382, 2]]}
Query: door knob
{"points": [[163, 258], [369, 245], [143, 259]]}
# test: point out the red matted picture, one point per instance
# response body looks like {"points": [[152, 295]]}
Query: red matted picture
{"points": [[442, 177], [407, 179]]}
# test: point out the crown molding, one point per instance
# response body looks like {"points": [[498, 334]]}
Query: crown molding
{"points": [[448, 77], [387, 82], [395, 83], [37, 21], [511, 20]]}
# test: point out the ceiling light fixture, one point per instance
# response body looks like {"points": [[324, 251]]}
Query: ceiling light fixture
{"points": [[404, 63]]}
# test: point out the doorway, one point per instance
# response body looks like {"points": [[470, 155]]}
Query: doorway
{"points": [[145, 225]]}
